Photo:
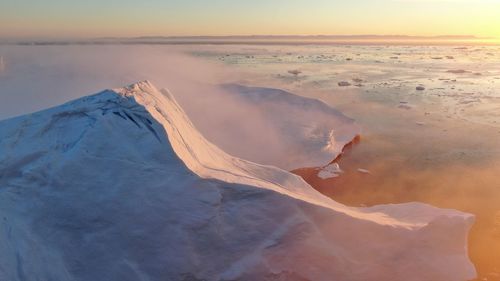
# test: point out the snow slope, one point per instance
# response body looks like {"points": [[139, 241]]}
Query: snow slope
{"points": [[272, 126], [121, 186]]}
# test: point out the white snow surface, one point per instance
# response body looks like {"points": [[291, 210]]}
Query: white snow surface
{"points": [[121, 186]]}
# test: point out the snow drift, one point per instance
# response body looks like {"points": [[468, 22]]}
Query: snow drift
{"points": [[121, 186]]}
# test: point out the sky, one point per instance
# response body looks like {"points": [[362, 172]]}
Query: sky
{"points": [[127, 18]]}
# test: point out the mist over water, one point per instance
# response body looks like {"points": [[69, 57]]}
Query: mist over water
{"points": [[36, 77], [440, 145]]}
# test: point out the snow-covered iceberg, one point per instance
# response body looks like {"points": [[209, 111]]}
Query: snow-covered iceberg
{"points": [[121, 186]]}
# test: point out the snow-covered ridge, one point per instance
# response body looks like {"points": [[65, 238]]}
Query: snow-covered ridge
{"points": [[208, 161], [121, 186]]}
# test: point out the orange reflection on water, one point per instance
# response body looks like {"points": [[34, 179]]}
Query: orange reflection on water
{"points": [[458, 184]]}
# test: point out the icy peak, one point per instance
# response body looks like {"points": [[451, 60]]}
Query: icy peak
{"points": [[141, 88], [143, 92]]}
